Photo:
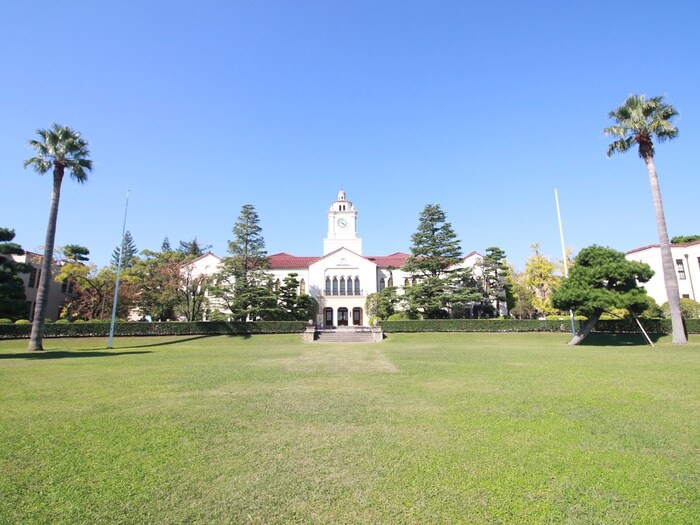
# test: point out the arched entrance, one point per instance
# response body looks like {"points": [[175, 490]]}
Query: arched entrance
{"points": [[342, 316], [328, 316], [357, 316]]}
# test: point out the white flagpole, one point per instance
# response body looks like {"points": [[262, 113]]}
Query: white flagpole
{"points": [[119, 269], [563, 251]]}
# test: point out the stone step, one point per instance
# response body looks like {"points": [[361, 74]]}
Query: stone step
{"points": [[344, 336]]}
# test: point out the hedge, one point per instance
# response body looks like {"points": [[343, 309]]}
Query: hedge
{"points": [[145, 329], [655, 326], [122, 329]]}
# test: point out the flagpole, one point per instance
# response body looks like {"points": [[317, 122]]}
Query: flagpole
{"points": [[563, 251], [119, 269]]}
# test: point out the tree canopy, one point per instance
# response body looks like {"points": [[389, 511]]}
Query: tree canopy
{"points": [[60, 148], [602, 280], [12, 296]]}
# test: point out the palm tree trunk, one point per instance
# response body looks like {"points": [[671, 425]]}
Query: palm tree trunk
{"points": [[42, 293], [674, 301]]}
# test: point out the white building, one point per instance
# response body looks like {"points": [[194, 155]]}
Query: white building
{"points": [[341, 279], [686, 260]]}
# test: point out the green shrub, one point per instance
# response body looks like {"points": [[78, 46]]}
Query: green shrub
{"points": [[63, 321], [22, 321], [5, 321], [101, 329]]}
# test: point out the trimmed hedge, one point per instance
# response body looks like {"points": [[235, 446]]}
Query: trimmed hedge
{"points": [[655, 326], [145, 329], [124, 329]]}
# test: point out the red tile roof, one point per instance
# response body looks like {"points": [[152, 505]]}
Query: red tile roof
{"points": [[285, 261], [397, 260]]}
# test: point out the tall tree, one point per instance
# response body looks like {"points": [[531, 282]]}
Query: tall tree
{"points": [[159, 279], [59, 148], [191, 248], [435, 254], [12, 296], [640, 121], [540, 279], [602, 280], [129, 252], [242, 283], [75, 252], [494, 270]]}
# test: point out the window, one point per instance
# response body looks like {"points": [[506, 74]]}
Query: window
{"points": [[328, 285], [302, 287], [357, 286], [681, 268], [686, 296], [406, 283], [342, 286], [381, 284], [32, 277], [277, 284], [335, 286], [349, 285]]}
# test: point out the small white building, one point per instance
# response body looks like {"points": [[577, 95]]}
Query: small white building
{"points": [[686, 260], [341, 279]]}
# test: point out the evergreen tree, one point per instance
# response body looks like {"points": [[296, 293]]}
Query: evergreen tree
{"points": [[75, 253], [494, 271], [129, 252], [242, 283], [12, 296], [192, 248], [165, 247], [435, 254], [602, 280]]}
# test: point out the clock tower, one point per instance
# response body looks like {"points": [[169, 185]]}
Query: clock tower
{"points": [[342, 227]]}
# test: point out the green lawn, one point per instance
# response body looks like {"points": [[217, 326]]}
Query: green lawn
{"points": [[420, 428]]}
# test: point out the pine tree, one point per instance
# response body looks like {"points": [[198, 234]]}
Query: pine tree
{"points": [[243, 284], [129, 252], [434, 260], [12, 296]]}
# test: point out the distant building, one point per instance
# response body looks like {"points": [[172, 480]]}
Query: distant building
{"points": [[341, 279], [58, 292], [686, 262]]}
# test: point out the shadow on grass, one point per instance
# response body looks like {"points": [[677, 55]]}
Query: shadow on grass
{"points": [[166, 343], [63, 354], [601, 339]]}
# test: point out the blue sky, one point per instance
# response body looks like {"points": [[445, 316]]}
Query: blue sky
{"points": [[482, 107]]}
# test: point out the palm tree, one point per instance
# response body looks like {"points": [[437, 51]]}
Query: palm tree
{"points": [[60, 148], [637, 121]]}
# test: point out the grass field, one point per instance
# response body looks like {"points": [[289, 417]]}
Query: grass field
{"points": [[424, 428]]}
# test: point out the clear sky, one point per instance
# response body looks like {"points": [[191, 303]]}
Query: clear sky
{"points": [[482, 107]]}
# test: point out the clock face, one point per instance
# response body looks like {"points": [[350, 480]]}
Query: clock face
{"points": [[342, 223]]}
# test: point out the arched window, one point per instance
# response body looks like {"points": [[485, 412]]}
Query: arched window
{"points": [[342, 286], [382, 285], [277, 284], [406, 283], [349, 285], [328, 285], [357, 286], [302, 287], [335, 286]]}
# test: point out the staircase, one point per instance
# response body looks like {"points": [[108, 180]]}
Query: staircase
{"points": [[351, 334]]}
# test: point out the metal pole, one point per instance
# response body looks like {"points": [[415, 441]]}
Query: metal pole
{"points": [[119, 269], [563, 251]]}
